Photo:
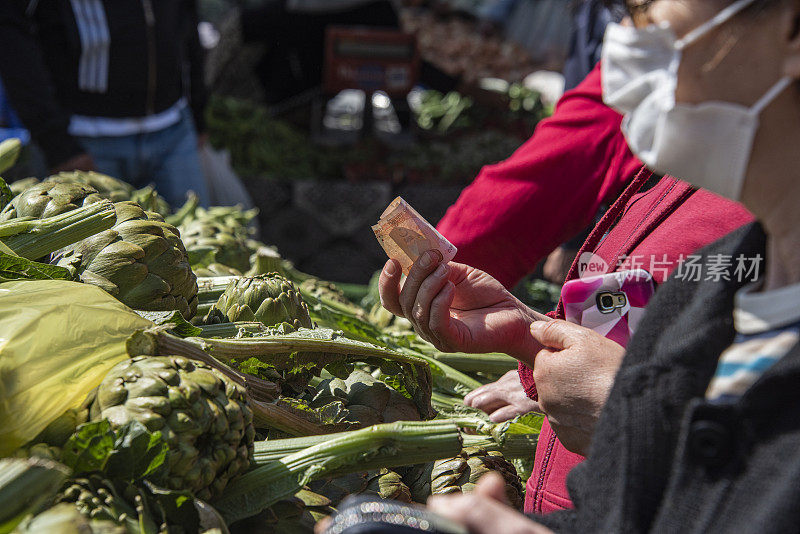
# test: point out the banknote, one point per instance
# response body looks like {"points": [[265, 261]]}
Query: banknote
{"points": [[404, 234]]}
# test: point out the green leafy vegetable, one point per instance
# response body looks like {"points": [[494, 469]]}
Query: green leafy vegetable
{"points": [[16, 268], [178, 325], [130, 453]]}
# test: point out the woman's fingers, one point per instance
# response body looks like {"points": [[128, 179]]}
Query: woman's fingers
{"points": [[426, 283], [556, 334], [488, 400], [479, 392], [389, 287], [441, 324], [419, 272], [507, 413], [429, 290]]}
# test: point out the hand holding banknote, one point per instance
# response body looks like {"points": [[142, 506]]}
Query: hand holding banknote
{"points": [[454, 306]]}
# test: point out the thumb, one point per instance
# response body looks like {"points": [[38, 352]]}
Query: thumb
{"points": [[493, 487], [555, 334]]}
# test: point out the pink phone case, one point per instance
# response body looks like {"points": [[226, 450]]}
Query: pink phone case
{"points": [[610, 304]]}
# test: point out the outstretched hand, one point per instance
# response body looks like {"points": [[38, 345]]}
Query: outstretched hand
{"points": [[459, 308], [503, 399]]}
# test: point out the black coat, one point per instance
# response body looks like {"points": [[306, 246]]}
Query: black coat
{"points": [[665, 460], [97, 58]]}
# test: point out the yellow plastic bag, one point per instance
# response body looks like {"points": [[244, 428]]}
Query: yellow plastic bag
{"points": [[57, 341]]}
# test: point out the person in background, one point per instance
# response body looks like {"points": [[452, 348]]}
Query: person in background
{"points": [[697, 429], [589, 21], [293, 33], [516, 211], [110, 86]]}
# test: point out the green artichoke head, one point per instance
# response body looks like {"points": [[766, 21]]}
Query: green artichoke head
{"points": [[295, 515], [39, 450], [97, 498], [460, 474], [114, 189], [149, 199], [203, 416], [365, 399], [269, 298], [65, 518], [214, 270], [141, 261], [21, 185], [389, 485], [47, 199], [204, 238], [109, 187]]}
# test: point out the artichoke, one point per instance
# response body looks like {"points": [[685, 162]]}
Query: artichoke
{"points": [[21, 185], [202, 415], [114, 189], [365, 399], [296, 515], [108, 187], [39, 450], [270, 298], [460, 474], [322, 289], [328, 294], [389, 485], [100, 499], [385, 484], [66, 519], [49, 199], [210, 239], [215, 269], [140, 261], [338, 488], [267, 260]]}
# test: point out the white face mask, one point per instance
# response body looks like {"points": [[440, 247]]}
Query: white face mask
{"points": [[707, 144]]}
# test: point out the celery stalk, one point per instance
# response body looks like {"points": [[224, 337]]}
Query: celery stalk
{"points": [[387, 445], [36, 238]]}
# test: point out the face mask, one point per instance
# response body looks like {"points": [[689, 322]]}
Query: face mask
{"points": [[707, 144]]}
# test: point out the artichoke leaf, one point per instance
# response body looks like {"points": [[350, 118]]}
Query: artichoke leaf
{"points": [[408, 374], [5, 194], [13, 267]]}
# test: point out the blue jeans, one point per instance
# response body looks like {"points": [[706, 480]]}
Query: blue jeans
{"points": [[167, 159]]}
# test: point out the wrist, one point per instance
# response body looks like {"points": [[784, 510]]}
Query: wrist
{"points": [[522, 344]]}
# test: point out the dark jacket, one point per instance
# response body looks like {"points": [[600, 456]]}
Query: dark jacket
{"points": [[98, 58], [665, 460]]}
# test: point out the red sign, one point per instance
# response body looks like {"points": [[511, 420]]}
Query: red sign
{"points": [[370, 60]]}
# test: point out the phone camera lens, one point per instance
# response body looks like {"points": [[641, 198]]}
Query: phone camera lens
{"points": [[606, 302]]}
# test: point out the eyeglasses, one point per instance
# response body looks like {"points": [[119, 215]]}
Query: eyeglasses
{"points": [[637, 10]]}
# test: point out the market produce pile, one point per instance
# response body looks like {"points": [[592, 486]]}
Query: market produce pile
{"points": [[460, 138], [457, 47], [164, 371]]}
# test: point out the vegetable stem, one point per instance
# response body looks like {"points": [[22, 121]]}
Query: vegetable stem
{"points": [[388, 445], [36, 238]]}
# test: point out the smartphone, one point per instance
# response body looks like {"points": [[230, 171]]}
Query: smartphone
{"points": [[611, 304]]}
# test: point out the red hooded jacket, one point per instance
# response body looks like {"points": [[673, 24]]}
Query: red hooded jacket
{"points": [[652, 229], [518, 211]]}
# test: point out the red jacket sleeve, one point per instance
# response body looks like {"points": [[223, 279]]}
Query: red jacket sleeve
{"points": [[518, 211]]}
